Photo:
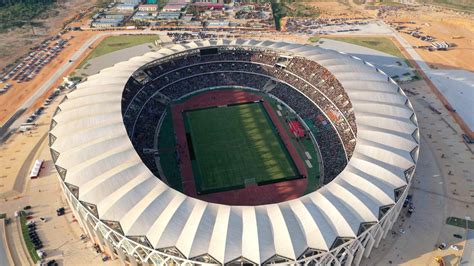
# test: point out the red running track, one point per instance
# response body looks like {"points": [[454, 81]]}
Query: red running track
{"points": [[251, 195]]}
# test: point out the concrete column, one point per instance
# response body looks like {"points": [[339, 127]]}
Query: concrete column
{"points": [[368, 249], [132, 259], [110, 249], [379, 236], [358, 256], [349, 259], [121, 256]]}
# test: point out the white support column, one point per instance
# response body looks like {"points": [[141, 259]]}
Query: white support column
{"points": [[358, 256], [349, 259], [121, 256], [368, 249], [379, 236]]}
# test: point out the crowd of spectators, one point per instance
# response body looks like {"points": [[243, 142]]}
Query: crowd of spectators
{"points": [[224, 78], [183, 37], [144, 130], [331, 149], [326, 105]]}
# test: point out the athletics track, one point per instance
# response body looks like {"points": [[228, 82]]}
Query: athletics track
{"points": [[253, 194]]}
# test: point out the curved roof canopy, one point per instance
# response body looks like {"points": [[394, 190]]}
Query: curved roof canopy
{"points": [[97, 160]]}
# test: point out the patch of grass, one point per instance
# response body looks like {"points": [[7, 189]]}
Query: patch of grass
{"points": [[3, 215], [304, 144], [459, 222], [29, 244], [313, 39], [381, 44], [115, 43], [236, 145], [391, 3]]}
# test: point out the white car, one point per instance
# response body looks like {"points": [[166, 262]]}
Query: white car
{"points": [[41, 254]]}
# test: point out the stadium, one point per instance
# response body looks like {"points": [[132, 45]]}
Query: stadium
{"points": [[236, 152]]}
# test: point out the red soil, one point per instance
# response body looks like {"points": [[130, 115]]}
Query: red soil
{"points": [[251, 195]]}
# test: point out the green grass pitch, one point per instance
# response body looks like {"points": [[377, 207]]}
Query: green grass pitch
{"points": [[236, 143]]}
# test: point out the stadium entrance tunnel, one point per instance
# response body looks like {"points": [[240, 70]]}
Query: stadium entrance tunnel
{"points": [[150, 154]]}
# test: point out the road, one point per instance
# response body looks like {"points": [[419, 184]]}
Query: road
{"points": [[444, 86], [62, 71]]}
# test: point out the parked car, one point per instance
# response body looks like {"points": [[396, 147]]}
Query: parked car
{"points": [[442, 246], [467, 139], [52, 263], [408, 200]]}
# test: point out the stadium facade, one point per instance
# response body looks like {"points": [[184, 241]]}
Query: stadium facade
{"points": [[135, 217]]}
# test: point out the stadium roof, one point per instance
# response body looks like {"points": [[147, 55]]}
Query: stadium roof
{"points": [[97, 158]]}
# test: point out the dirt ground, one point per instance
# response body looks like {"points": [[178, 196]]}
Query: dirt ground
{"points": [[20, 92], [18, 41], [332, 9], [443, 25]]}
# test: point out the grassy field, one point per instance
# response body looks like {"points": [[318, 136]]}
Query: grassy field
{"points": [[115, 43], [29, 244], [459, 222], [381, 44], [302, 146], [236, 145]]}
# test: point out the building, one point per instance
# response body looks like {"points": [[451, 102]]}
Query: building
{"points": [[137, 218], [175, 6], [144, 16], [217, 23], [107, 20], [210, 1], [168, 16], [114, 16], [106, 23], [126, 7], [131, 2], [148, 8]]}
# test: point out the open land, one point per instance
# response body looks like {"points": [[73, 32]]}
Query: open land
{"points": [[382, 44], [20, 92], [114, 43], [444, 25], [331, 9], [18, 41]]}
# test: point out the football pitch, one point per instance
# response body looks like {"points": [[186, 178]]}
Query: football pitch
{"points": [[234, 146]]}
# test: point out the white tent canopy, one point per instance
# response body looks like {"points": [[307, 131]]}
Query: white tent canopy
{"points": [[36, 168]]}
